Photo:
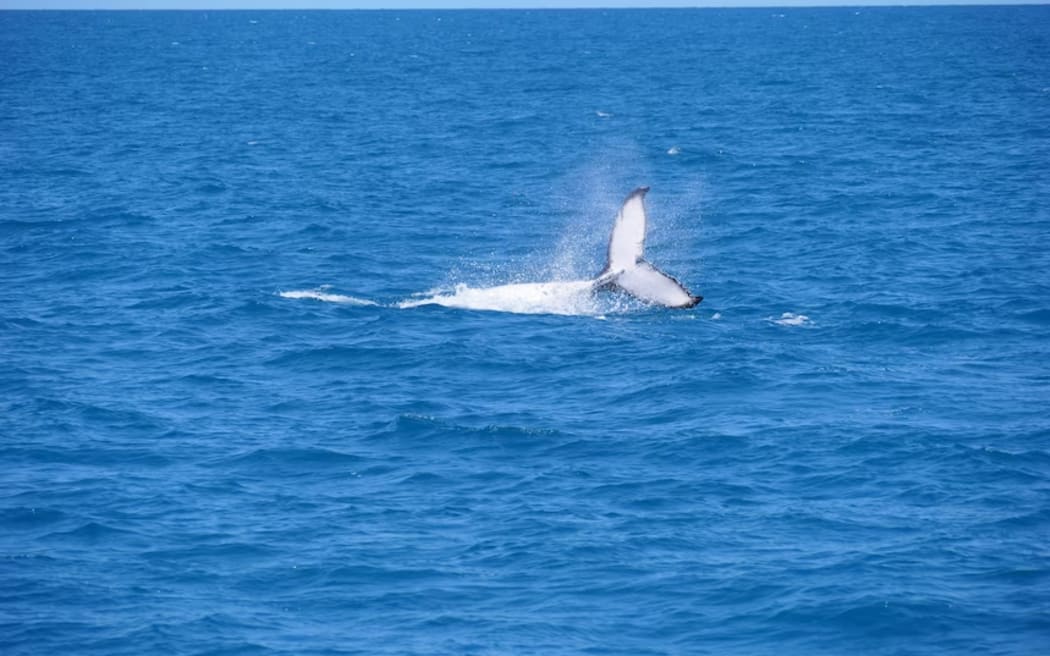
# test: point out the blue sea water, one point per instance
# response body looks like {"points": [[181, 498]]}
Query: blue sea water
{"points": [[251, 403]]}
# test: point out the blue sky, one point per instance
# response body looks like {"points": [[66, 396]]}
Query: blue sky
{"points": [[436, 4]]}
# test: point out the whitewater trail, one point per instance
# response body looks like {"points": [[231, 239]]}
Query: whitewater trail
{"points": [[567, 298], [570, 298]]}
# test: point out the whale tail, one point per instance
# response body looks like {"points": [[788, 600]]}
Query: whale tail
{"points": [[626, 269]]}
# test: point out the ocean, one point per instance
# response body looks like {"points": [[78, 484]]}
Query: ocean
{"points": [[295, 356]]}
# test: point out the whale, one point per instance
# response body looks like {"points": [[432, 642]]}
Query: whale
{"points": [[626, 269], [626, 272]]}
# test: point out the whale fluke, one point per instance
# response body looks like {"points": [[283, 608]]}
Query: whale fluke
{"points": [[626, 268]]}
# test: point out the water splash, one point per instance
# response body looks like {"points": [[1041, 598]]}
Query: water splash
{"points": [[572, 297], [791, 319]]}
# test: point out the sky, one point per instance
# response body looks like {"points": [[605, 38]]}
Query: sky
{"points": [[461, 4]]}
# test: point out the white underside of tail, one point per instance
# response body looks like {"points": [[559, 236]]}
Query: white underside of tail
{"points": [[647, 283], [626, 270], [627, 241]]}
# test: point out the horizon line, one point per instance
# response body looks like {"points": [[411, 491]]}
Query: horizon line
{"points": [[728, 4]]}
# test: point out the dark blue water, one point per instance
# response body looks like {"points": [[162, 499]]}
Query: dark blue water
{"points": [[237, 417]]}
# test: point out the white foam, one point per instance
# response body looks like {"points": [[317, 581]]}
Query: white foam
{"points": [[674, 150], [571, 297], [791, 319], [321, 295]]}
